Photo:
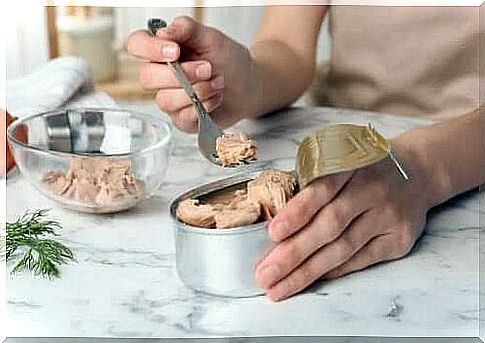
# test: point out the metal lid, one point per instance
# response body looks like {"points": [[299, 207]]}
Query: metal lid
{"points": [[338, 148], [76, 130]]}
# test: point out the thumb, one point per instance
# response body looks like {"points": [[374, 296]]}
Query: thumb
{"points": [[186, 31]]}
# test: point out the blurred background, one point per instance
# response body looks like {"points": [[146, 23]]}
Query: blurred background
{"points": [[97, 34]]}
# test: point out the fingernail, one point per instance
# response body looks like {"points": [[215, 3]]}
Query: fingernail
{"points": [[280, 291], [169, 30], [279, 230], [274, 296], [268, 275], [203, 71], [217, 83], [261, 258], [169, 50]]}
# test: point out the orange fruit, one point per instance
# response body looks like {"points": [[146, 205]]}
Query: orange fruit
{"points": [[7, 161]]}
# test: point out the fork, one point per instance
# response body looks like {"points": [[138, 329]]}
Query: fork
{"points": [[208, 130]]}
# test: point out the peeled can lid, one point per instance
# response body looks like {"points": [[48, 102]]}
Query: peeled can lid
{"points": [[338, 148]]}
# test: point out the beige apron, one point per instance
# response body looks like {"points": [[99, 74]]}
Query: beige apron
{"points": [[414, 61]]}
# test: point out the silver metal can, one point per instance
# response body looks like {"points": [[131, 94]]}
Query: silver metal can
{"points": [[219, 261]]}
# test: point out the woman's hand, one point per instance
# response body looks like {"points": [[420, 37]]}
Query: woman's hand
{"points": [[220, 69], [233, 82], [346, 222]]}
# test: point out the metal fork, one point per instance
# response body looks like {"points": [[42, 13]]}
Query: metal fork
{"points": [[208, 130]]}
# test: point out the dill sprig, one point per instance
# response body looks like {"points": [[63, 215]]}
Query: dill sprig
{"points": [[41, 255]]}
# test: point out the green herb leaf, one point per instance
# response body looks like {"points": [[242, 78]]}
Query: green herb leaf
{"points": [[41, 255]]}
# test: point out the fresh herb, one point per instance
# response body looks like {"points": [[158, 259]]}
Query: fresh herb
{"points": [[40, 255]]}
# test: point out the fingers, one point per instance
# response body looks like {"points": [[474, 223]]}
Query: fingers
{"points": [[155, 49], [178, 105], [377, 250], [301, 209], [393, 243], [328, 224], [173, 100], [361, 231], [165, 46], [186, 119], [188, 32], [157, 76]]}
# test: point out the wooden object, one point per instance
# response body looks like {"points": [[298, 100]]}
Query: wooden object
{"points": [[198, 11], [127, 86], [52, 31]]}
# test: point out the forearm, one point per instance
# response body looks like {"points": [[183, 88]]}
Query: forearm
{"points": [[451, 154], [284, 55], [281, 76]]}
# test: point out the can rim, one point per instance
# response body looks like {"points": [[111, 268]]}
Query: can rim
{"points": [[212, 187]]}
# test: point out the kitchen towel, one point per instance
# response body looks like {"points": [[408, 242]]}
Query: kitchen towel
{"points": [[62, 82], [67, 82]]}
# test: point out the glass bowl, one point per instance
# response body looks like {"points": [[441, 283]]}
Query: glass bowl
{"points": [[95, 160]]}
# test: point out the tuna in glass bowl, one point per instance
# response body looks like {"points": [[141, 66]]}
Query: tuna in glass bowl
{"points": [[94, 160]]}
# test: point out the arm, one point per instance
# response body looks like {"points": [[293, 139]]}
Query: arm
{"points": [[452, 153], [284, 53]]}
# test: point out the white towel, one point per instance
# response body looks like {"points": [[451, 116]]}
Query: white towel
{"points": [[67, 82], [62, 82]]}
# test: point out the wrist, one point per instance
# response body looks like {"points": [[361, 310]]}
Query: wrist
{"points": [[424, 166]]}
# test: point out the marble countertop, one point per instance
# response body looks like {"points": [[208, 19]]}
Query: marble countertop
{"points": [[124, 282]]}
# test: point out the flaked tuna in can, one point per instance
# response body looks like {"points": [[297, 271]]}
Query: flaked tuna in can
{"points": [[219, 261]]}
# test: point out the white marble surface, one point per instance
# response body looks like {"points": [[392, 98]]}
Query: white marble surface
{"points": [[124, 282], [293, 339]]}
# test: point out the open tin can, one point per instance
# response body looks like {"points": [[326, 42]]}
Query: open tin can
{"points": [[222, 261], [219, 261]]}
